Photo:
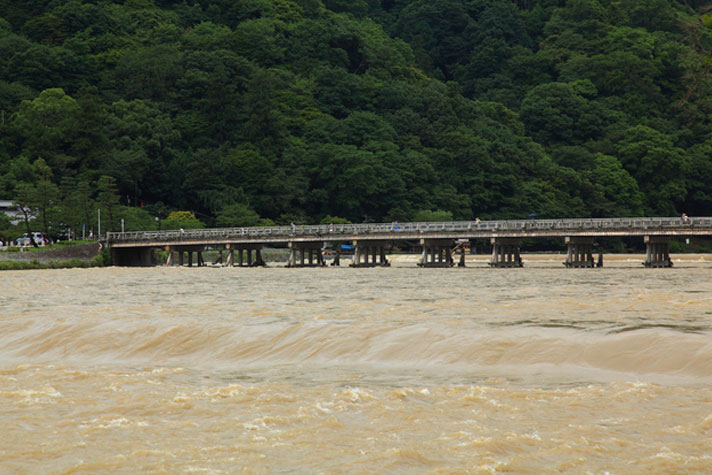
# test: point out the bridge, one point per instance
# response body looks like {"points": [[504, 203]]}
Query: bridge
{"points": [[439, 241]]}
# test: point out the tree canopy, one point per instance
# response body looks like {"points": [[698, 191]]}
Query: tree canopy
{"points": [[260, 112]]}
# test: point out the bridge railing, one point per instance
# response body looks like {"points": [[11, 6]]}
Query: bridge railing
{"points": [[475, 227]]}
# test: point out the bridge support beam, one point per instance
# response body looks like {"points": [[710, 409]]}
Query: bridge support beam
{"points": [[505, 252], [244, 255], [657, 253], [375, 250], [580, 252], [306, 254], [436, 253]]}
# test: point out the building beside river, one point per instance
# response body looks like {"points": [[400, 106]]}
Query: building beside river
{"points": [[9, 208]]}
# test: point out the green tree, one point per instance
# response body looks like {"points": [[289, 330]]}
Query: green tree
{"points": [[136, 219], [437, 32], [108, 200], [557, 113], [76, 206], [260, 40], [658, 166], [25, 195], [151, 72], [143, 142], [49, 127], [699, 180], [38, 199], [240, 214], [182, 220], [432, 215], [615, 192], [46, 201], [328, 219]]}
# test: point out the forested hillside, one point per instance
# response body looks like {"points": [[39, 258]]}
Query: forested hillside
{"points": [[257, 111]]}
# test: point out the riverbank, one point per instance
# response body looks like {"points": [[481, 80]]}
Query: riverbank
{"points": [[81, 255]]}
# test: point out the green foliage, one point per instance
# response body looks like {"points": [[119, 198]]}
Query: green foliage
{"points": [[108, 201], [4, 222], [615, 192], [306, 110], [658, 166], [136, 219], [328, 219], [428, 215], [556, 112], [182, 220], [240, 215], [48, 126]]}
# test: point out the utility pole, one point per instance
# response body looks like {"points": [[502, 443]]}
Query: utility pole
{"points": [[98, 235]]}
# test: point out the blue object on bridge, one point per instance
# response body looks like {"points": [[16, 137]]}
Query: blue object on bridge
{"points": [[347, 247], [532, 215]]}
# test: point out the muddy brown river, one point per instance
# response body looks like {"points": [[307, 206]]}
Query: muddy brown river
{"points": [[339, 370]]}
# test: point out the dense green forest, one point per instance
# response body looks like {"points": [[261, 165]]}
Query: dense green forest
{"points": [[248, 112]]}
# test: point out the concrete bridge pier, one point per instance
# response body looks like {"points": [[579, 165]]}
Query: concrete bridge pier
{"points": [[337, 256], [657, 253], [244, 255], [505, 252], [436, 253], [180, 251], [580, 252], [375, 250], [305, 254], [462, 247]]}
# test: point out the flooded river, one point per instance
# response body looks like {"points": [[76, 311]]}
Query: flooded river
{"points": [[339, 370]]}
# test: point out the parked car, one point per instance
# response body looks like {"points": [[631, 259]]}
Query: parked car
{"points": [[39, 238]]}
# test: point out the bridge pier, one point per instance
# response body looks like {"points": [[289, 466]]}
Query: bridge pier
{"points": [[462, 247], [580, 252], [180, 251], [436, 253], [244, 255], [306, 254], [657, 252], [505, 252], [376, 250]]}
